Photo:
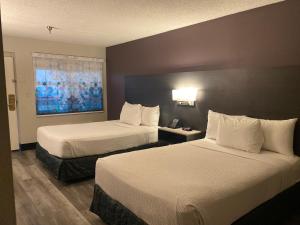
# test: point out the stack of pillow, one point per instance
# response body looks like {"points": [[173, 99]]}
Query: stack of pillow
{"points": [[136, 114], [251, 135]]}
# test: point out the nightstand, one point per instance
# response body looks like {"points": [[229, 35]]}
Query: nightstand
{"points": [[173, 136]]}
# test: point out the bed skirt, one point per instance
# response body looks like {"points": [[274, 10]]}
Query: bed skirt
{"points": [[111, 211], [72, 169], [272, 212]]}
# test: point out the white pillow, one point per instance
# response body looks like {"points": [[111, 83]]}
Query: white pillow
{"points": [[240, 133], [150, 116], [279, 135], [213, 123], [131, 114]]}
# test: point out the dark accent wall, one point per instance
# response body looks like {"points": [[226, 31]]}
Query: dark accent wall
{"points": [[263, 37], [271, 93], [7, 203]]}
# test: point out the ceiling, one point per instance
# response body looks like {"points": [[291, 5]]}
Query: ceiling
{"points": [[111, 22]]}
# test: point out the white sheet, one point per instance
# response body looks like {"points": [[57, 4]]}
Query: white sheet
{"points": [[196, 182], [77, 140]]}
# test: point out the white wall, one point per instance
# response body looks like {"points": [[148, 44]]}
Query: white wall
{"points": [[22, 48]]}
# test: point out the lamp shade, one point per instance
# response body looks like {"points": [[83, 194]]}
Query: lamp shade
{"points": [[184, 94]]}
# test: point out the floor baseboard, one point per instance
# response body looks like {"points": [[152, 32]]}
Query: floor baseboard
{"points": [[27, 146]]}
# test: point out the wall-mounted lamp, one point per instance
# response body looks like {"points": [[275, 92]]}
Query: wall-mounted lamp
{"points": [[185, 96]]}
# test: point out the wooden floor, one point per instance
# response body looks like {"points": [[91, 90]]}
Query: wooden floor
{"points": [[42, 200]]}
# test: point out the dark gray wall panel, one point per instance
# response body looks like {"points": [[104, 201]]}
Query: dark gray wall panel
{"points": [[272, 93]]}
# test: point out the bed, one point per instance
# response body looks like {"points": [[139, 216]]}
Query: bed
{"points": [[70, 151], [197, 182]]}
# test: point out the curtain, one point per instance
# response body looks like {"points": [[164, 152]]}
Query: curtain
{"points": [[67, 84]]}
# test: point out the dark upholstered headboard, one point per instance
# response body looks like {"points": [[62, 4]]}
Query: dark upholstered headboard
{"points": [[268, 93]]}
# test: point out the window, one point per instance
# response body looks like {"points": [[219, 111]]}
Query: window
{"points": [[67, 84]]}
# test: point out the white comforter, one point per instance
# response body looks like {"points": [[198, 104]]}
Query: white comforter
{"points": [[77, 140], [194, 183]]}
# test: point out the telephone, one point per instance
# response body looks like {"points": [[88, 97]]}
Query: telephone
{"points": [[174, 124]]}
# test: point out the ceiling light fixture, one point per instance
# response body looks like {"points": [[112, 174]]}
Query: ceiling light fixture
{"points": [[50, 28]]}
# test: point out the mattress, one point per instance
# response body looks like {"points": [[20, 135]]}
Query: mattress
{"points": [[195, 182], [78, 140]]}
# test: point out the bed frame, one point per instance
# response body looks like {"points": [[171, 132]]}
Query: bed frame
{"points": [[272, 212], [74, 169]]}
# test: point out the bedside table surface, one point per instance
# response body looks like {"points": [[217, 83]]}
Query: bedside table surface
{"points": [[180, 131]]}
